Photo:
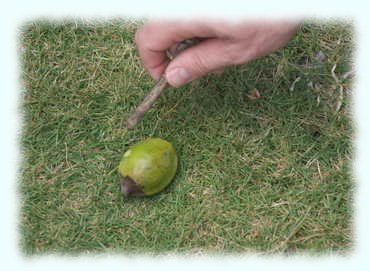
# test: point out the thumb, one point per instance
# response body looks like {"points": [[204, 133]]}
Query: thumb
{"points": [[205, 57]]}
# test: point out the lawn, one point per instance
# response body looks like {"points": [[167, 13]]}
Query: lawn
{"points": [[266, 175]]}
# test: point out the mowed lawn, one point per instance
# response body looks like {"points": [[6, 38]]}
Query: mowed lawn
{"points": [[265, 175]]}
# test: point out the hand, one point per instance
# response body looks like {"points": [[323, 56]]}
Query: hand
{"points": [[222, 44]]}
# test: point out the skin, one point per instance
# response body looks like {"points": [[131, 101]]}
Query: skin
{"points": [[222, 44]]}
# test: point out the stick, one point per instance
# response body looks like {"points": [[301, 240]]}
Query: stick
{"points": [[147, 103], [157, 90]]}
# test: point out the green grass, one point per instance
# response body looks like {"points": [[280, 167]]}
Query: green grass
{"points": [[266, 175]]}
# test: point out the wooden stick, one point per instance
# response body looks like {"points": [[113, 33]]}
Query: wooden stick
{"points": [[157, 90], [147, 103]]}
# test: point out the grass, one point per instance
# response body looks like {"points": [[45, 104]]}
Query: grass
{"points": [[266, 175]]}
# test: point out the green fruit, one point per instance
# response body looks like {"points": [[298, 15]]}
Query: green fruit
{"points": [[147, 167]]}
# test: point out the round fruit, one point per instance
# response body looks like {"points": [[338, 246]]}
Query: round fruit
{"points": [[147, 167]]}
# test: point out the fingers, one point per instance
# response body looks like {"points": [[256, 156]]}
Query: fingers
{"points": [[222, 44], [210, 55], [154, 60], [155, 37]]}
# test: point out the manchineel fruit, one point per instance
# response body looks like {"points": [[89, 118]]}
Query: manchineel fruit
{"points": [[147, 167]]}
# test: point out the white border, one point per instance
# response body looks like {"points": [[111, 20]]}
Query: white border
{"points": [[15, 13]]}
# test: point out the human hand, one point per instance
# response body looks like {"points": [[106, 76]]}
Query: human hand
{"points": [[221, 44]]}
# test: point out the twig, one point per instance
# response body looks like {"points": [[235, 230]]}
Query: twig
{"points": [[147, 103], [157, 90], [340, 99], [319, 170], [333, 74], [340, 96], [348, 74], [291, 89]]}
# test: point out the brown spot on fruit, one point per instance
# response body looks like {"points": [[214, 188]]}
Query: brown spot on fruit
{"points": [[130, 188]]}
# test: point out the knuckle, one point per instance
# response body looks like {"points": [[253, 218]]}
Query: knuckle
{"points": [[145, 31], [234, 55], [145, 36], [200, 64]]}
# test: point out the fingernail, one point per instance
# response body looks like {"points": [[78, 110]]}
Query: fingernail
{"points": [[178, 76]]}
